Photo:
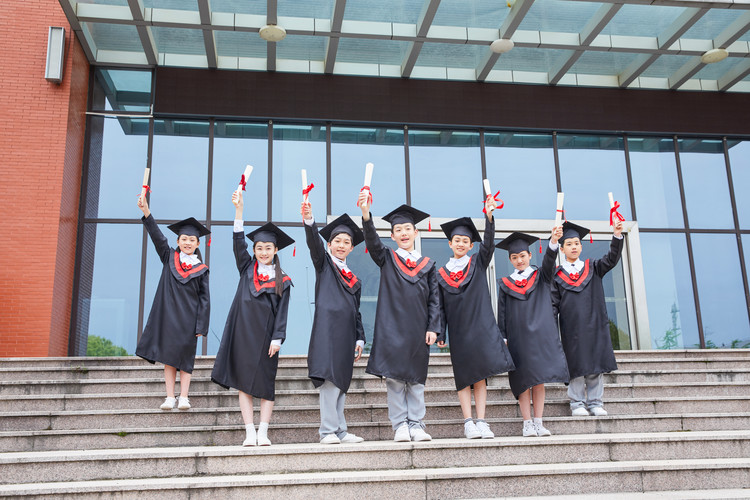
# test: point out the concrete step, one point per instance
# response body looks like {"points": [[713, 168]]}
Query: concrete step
{"points": [[143, 463], [433, 482], [117, 418], [724, 494], [307, 432]]}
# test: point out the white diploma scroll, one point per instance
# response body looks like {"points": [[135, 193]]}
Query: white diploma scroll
{"points": [[248, 171], [368, 174], [611, 200], [304, 184], [144, 186], [559, 212], [487, 190]]}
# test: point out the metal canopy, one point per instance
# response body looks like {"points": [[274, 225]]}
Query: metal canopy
{"points": [[654, 44]]}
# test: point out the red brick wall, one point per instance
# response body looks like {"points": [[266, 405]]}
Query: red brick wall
{"points": [[42, 149]]}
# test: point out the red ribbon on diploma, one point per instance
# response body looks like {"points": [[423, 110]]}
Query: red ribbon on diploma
{"points": [[147, 188], [563, 214], [614, 214], [501, 205], [243, 182], [308, 189], [369, 195]]}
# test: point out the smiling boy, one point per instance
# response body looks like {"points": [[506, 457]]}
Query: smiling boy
{"points": [[407, 319], [337, 337], [578, 300]]}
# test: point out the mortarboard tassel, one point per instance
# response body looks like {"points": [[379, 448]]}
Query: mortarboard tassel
{"points": [[591, 238], [209, 242], [294, 252], [365, 249], [540, 245], [429, 224]]}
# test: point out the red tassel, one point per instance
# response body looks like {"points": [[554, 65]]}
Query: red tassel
{"points": [[294, 252], [365, 249], [540, 246], [209, 242], [591, 238], [429, 224]]}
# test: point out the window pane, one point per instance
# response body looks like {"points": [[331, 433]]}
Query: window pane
{"points": [[117, 159], [739, 159], [123, 89], [445, 172], [655, 186], [508, 155], [297, 147], [591, 167], [108, 290], [704, 176], [351, 149], [669, 291], [179, 169], [236, 145], [720, 289]]}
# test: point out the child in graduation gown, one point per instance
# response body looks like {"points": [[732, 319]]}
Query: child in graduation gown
{"points": [[337, 337], [180, 312], [407, 319], [527, 322], [578, 300], [477, 348], [256, 324]]}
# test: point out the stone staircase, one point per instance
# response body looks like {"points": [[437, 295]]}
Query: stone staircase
{"points": [[679, 427]]}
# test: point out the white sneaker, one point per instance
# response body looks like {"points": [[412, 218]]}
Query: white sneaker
{"points": [[402, 433], [351, 438], [528, 429], [168, 404], [484, 429], [580, 412], [418, 434], [598, 411], [263, 441], [471, 431], [330, 439], [250, 436], [183, 403], [541, 430]]}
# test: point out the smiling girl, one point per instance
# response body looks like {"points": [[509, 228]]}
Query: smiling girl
{"points": [[477, 348], [256, 325], [180, 312]]}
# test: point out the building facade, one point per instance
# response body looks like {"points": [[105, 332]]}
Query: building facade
{"points": [[83, 272]]}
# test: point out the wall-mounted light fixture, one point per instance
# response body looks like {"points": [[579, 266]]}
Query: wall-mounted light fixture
{"points": [[53, 72]]}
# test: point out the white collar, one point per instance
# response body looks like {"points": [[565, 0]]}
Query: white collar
{"points": [[454, 264], [191, 259], [572, 267], [413, 255], [270, 271], [341, 264], [522, 275]]}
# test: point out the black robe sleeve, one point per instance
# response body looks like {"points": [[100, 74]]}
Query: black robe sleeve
{"points": [[434, 323], [316, 246], [555, 298], [609, 261], [501, 313], [279, 324], [548, 265], [360, 326], [204, 306], [241, 256], [157, 237], [487, 247], [378, 252]]}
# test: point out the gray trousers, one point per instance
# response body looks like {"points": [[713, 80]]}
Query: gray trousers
{"points": [[332, 419], [405, 403], [586, 391]]}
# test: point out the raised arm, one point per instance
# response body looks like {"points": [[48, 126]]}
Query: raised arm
{"points": [[609, 261], [204, 306], [314, 243], [550, 256], [487, 247], [239, 243], [378, 252]]}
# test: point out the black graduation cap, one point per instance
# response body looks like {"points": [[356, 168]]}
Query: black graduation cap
{"points": [[190, 227], [571, 230], [463, 226], [404, 214], [270, 233], [343, 224], [517, 243]]}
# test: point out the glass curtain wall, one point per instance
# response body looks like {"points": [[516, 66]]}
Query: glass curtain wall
{"points": [[684, 193]]}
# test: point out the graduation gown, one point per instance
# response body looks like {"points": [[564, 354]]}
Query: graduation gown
{"points": [[180, 310], [526, 319], [477, 348], [584, 323], [337, 324], [257, 316], [408, 307]]}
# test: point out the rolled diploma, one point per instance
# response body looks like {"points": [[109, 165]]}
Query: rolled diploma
{"points": [[144, 189], [487, 190], [248, 171], [611, 200], [304, 182], [558, 213], [368, 174]]}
